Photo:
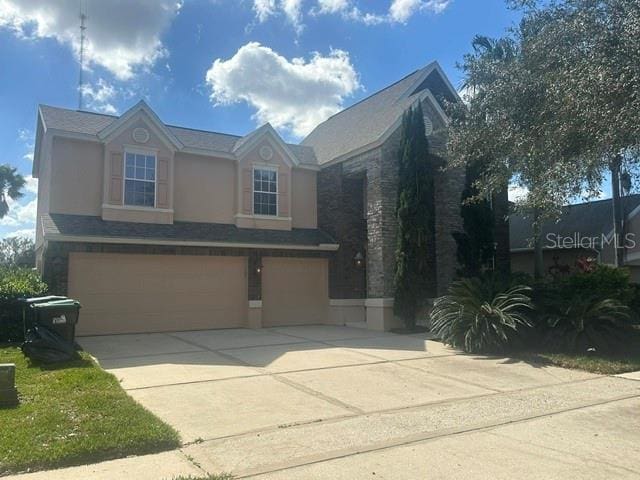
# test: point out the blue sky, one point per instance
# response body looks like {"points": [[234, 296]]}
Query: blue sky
{"points": [[223, 65]]}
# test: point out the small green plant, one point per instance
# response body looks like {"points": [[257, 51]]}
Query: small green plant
{"points": [[16, 282], [415, 212], [580, 323], [481, 314], [634, 303], [602, 283]]}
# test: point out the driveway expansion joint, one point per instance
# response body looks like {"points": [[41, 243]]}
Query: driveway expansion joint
{"points": [[425, 437], [319, 395]]}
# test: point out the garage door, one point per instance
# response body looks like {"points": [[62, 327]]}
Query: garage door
{"points": [[295, 291], [157, 293]]}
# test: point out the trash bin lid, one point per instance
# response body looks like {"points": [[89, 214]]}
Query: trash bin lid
{"points": [[48, 298], [67, 302]]}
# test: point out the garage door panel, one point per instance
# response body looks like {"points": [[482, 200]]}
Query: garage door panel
{"points": [[295, 291], [155, 293]]}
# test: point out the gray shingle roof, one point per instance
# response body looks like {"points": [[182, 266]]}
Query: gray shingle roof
{"points": [[591, 219], [90, 123], [90, 226], [366, 121]]}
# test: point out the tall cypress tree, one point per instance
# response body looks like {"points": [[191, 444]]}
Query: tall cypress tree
{"points": [[416, 217]]}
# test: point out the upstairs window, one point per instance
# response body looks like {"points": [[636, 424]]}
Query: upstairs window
{"points": [[140, 179], [265, 191]]}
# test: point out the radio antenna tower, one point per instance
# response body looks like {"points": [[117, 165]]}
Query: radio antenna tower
{"points": [[83, 27]]}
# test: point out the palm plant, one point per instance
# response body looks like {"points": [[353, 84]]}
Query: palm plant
{"points": [[586, 322], [480, 315], [11, 184]]}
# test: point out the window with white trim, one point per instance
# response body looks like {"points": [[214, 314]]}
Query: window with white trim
{"points": [[140, 179], [265, 191]]}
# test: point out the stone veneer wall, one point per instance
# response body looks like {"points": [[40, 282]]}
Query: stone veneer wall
{"points": [[56, 259], [380, 165], [341, 215], [382, 226], [449, 184]]}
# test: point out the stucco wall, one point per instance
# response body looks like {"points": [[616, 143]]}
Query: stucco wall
{"points": [[76, 177], [82, 179], [113, 175], [205, 189], [304, 210]]}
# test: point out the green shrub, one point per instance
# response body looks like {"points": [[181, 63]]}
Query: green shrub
{"points": [[579, 323], [14, 284], [20, 282], [634, 303], [481, 314], [602, 283]]}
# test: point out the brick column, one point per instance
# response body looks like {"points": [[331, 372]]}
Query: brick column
{"points": [[449, 186], [340, 214], [382, 192]]}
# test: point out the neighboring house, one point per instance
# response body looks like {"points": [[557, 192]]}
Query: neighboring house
{"points": [[583, 231], [158, 228]]}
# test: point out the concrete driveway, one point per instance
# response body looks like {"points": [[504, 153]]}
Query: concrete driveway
{"points": [[347, 403]]}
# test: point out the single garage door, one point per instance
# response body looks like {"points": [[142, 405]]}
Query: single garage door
{"points": [[123, 293], [295, 291]]}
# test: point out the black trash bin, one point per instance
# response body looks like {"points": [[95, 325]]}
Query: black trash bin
{"points": [[58, 315], [21, 315]]}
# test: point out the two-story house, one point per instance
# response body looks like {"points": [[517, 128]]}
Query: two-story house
{"points": [[155, 227]]}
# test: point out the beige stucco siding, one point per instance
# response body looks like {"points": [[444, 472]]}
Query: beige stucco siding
{"points": [[87, 178], [295, 291], [113, 173], [157, 293], [44, 188], [304, 199], [76, 177], [205, 189]]}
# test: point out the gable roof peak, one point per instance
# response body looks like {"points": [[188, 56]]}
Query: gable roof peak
{"points": [[367, 122], [141, 106], [246, 142]]}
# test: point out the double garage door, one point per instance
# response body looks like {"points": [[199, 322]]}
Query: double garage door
{"points": [[126, 293]]}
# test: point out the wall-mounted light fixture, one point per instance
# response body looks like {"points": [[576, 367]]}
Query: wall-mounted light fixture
{"points": [[259, 266], [358, 259]]}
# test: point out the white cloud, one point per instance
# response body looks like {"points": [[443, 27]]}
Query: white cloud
{"points": [[400, 11], [20, 214], [27, 137], [347, 10], [333, 6], [291, 9], [518, 193], [264, 9], [31, 185], [99, 96], [122, 36], [294, 94], [22, 232]]}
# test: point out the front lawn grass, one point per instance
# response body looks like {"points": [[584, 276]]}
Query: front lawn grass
{"points": [[624, 358], [604, 364], [72, 414]]}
